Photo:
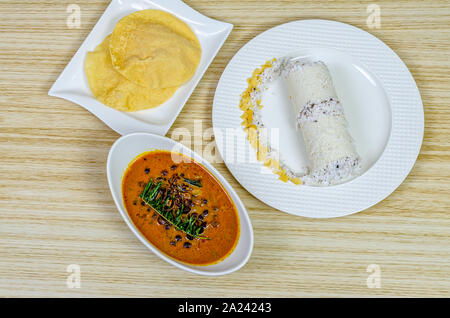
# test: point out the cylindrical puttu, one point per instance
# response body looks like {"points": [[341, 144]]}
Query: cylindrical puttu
{"points": [[322, 122]]}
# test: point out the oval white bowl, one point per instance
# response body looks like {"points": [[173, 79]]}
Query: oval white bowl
{"points": [[126, 149]]}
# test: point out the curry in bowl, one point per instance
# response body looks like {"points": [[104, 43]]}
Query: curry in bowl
{"points": [[180, 207]]}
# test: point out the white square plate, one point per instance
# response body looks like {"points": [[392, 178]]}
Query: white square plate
{"points": [[72, 83]]}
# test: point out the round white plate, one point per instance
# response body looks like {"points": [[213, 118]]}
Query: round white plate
{"points": [[381, 102], [126, 149], [73, 85]]}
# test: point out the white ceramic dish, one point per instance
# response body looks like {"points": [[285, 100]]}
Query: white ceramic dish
{"points": [[381, 102], [72, 83], [127, 148]]}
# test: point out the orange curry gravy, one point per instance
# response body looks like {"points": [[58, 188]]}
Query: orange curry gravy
{"points": [[210, 204]]}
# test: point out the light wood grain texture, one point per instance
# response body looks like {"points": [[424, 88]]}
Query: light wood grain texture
{"points": [[56, 208]]}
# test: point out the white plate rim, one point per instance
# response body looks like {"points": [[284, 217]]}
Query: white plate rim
{"points": [[337, 202]]}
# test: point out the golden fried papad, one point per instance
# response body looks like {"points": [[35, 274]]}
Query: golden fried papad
{"points": [[155, 49], [114, 90]]}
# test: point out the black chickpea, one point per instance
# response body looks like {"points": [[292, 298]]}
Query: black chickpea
{"points": [[187, 245]]}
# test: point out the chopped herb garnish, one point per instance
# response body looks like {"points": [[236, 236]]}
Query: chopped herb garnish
{"points": [[193, 182], [164, 205]]}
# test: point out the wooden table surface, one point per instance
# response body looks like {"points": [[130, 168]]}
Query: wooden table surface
{"points": [[56, 208]]}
